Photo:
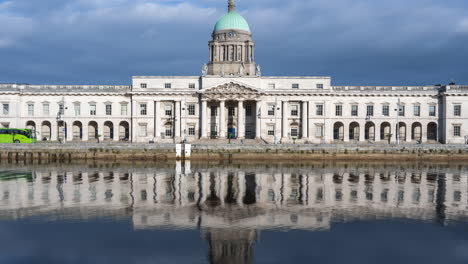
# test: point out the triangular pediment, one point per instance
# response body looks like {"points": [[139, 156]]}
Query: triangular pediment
{"points": [[230, 90]]}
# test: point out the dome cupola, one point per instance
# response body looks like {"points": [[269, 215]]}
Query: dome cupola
{"points": [[232, 20], [232, 48]]}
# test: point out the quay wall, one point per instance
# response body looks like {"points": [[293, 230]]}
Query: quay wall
{"points": [[84, 152]]}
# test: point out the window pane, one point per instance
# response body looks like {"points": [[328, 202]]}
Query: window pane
{"points": [[386, 110], [45, 109], [319, 110], [6, 109]]}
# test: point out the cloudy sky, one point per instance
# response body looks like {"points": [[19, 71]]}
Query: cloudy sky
{"points": [[373, 42]]}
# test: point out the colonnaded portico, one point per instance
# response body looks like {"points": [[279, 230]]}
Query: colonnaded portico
{"points": [[231, 110]]}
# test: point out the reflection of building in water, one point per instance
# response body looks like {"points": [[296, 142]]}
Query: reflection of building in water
{"points": [[291, 198], [231, 205], [230, 246]]}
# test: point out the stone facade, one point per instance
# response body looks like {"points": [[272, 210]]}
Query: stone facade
{"points": [[231, 99]]}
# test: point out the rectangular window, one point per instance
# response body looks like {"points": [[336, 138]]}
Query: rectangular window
{"points": [[30, 109], [45, 109], [386, 110], [271, 86], [231, 111], [294, 110], [168, 131], [6, 109], [457, 131], [338, 110], [248, 110], [143, 109], [191, 109], [319, 109], [191, 130], [191, 86], [319, 130], [92, 109], [295, 86], [294, 132], [354, 110], [143, 85], [432, 110], [370, 110], [168, 85], [271, 109], [143, 131], [457, 110], [168, 110], [417, 110], [214, 111], [108, 109], [271, 130], [319, 85], [124, 109], [401, 111], [77, 108]]}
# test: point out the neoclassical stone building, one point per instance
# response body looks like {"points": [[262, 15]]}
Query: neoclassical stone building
{"points": [[231, 99]]}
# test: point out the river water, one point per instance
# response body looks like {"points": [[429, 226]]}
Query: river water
{"points": [[331, 212]]}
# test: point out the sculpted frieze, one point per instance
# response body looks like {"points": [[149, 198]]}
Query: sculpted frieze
{"points": [[231, 91]]}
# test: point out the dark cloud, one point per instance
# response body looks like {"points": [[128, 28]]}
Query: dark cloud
{"points": [[355, 41]]}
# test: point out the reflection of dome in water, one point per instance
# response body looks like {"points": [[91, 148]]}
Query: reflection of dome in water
{"points": [[228, 246]]}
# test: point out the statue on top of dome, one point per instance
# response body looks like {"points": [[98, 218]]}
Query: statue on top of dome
{"points": [[231, 6]]}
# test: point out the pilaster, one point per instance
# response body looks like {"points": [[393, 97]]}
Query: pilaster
{"points": [[203, 119], [305, 125], [240, 120], [157, 120], [284, 118], [177, 118], [258, 118], [222, 119]]}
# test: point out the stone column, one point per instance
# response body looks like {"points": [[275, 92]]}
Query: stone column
{"points": [[311, 128], [204, 118], [240, 120], [183, 119], [284, 116], [222, 119], [304, 120], [53, 130], [177, 119], [157, 120], [258, 118]]}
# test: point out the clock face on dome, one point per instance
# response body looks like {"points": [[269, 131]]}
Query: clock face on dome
{"points": [[232, 34]]}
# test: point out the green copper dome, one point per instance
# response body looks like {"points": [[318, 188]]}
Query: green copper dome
{"points": [[232, 20]]}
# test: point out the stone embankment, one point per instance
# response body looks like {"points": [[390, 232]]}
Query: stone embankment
{"points": [[74, 152]]}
